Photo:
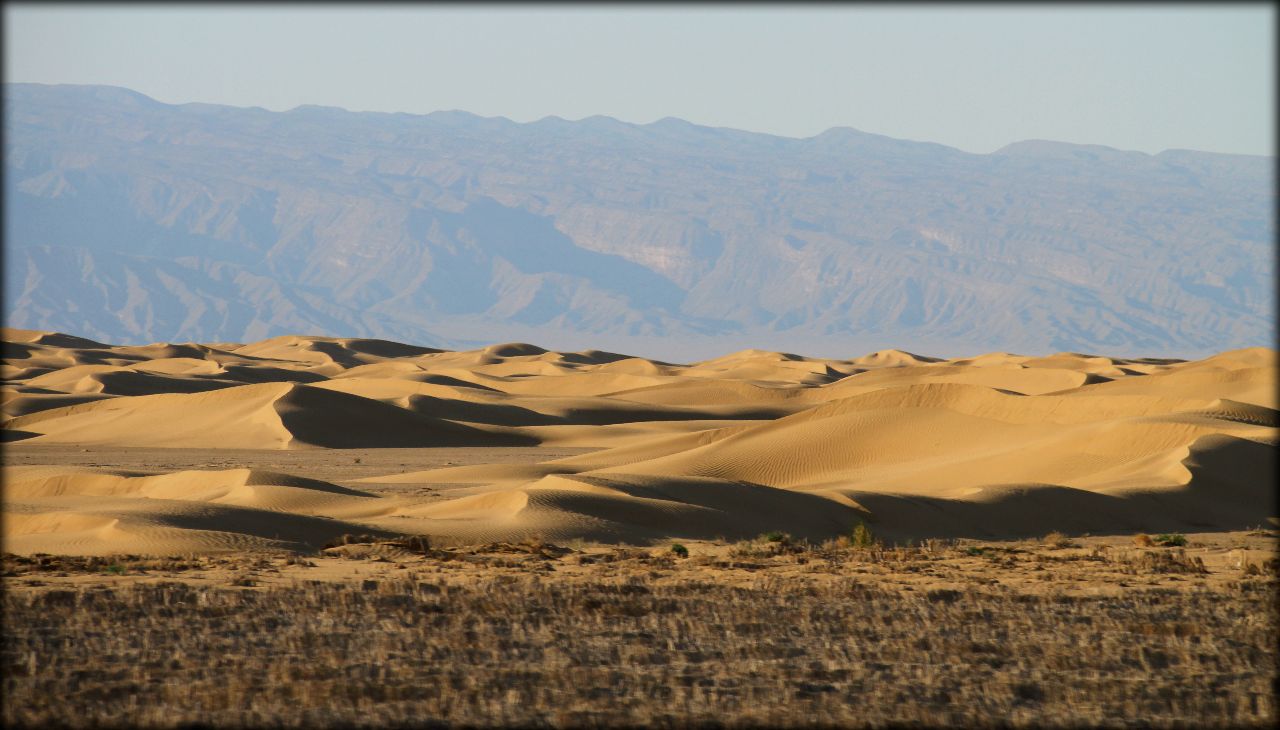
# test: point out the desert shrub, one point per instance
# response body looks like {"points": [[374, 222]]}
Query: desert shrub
{"points": [[776, 536], [680, 550], [349, 539], [935, 546], [944, 595], [416, 543], [1057, 540], [1176, 561], [862, 537], [1171, 539]]}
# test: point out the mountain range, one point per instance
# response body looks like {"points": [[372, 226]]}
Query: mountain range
{"points": [[130, 220]]}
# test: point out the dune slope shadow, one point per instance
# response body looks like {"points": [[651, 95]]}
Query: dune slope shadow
{"points": [[331, 419], [297, 531], [637, 509], [1230, 489]]}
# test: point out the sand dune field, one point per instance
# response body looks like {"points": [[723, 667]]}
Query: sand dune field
{"points": [[606, 447]]}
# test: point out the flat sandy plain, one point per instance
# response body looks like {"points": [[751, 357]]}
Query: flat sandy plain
{"points": [[310, 530]]}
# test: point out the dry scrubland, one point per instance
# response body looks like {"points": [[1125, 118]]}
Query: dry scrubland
{"points": [[312, 530], [766, 632]]}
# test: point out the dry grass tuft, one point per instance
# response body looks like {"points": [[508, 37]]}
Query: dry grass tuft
{"points": [[1057, 541], [1174, 561]]}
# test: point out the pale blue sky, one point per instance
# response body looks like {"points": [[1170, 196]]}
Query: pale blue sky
{"points": [[1143, 77]]}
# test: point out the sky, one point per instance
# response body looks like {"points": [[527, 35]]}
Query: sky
{"points": [[1140, 77]]}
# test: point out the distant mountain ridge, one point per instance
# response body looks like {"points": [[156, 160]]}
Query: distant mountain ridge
{"points": [[130, 220]]}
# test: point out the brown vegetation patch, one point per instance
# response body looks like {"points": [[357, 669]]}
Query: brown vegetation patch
{"points": [[519, 651], [530, 633]]}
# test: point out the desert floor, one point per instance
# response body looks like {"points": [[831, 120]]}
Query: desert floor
{"points": [[766, 632]]}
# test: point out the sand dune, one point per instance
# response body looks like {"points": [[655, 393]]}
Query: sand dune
{"points": [[87, 511], [995, 445], [642, 509]]}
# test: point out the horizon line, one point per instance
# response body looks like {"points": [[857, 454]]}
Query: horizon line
{"points": [[555, 117]]}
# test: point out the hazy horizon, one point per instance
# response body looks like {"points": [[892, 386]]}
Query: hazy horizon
{"points": [[623, 121], [973, 78]]}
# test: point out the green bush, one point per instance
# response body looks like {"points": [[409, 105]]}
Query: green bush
{"points": [[680, 550], [1174, 539], [862, 537], [776, 536]]}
